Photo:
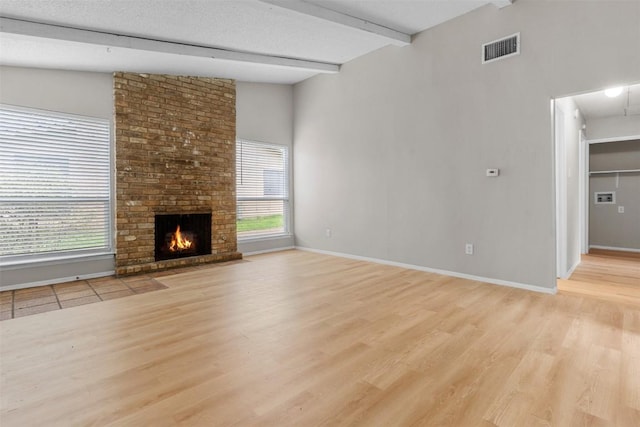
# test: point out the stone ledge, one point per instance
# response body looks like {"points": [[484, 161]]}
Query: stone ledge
{"points": [[177, 263]]}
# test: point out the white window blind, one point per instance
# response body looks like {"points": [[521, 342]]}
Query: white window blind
{"points": [[54, 183], [262, 178]]}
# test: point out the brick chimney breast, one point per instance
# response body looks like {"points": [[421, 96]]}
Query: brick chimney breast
{"points": [[175, 153]]}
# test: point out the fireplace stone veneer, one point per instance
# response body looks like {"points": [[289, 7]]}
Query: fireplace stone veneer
{"points": [[175, 152]]}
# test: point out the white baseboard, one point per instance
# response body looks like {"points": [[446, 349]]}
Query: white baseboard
{"points": [[437, 271], [57, 280], [266, 251], [611, 248], [571, 270]]}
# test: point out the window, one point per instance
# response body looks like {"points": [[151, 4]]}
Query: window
{"points": [[55, 184], [262, 184]]}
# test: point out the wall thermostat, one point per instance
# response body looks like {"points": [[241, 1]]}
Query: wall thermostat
{"points": [[493, 172]]}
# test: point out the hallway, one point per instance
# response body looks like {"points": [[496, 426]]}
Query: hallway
{"points": [[610, 275]]}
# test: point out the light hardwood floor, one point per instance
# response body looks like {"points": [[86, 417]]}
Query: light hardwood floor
{"points": [[609, 275], [296, 338]]}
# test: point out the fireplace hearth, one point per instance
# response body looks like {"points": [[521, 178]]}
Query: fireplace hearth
{"points": [[182, 235]]}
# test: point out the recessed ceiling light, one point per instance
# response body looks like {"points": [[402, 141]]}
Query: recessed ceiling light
{"points": [[612, 92]]}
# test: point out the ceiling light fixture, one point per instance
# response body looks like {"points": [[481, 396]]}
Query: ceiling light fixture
{"points": [[613, 91]]}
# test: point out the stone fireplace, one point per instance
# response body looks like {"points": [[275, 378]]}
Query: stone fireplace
{"points": [[175, 164]]}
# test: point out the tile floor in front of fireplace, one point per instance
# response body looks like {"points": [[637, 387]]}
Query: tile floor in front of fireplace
{"points": [[24, 302]]}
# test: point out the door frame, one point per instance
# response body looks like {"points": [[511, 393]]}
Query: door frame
{"points": [[561, 191], [583, 196]]}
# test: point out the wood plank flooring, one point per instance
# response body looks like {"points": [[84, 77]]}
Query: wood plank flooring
{"points": [[609, 275], [301, 339]]}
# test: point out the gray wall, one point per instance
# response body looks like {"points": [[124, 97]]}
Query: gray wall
{"points": [[73, 92], [622, 155], [613, 127], [607, 227], [264, 113], [391, 152], [83, 93]]}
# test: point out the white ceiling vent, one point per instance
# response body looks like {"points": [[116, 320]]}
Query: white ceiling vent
{"points": [[500, 49]]}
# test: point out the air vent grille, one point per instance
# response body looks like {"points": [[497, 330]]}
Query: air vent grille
{"points": [[500, 49]]}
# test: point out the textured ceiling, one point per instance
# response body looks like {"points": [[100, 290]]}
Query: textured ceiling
{"points": [[34, 52], [407, 16], [240, 25], [245, 25], [598, 105]]}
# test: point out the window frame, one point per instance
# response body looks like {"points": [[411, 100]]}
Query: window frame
{"points": [[287, 205], [71, 254]]}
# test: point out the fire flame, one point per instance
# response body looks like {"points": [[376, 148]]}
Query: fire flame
{"points": [[178, 242]]}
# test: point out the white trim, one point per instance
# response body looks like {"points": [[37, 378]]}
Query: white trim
{"points": [[65, 258], [37, 29], [435, 270], [112, 184], [62, 114], [561, 191], [583, 195], [502, 3], [262, 238], [572, 269], [553, 189], [612, 248], [613, 139], [394, 37], [58, 280], [267, 251]]}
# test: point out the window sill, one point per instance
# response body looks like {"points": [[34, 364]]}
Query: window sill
{"points": [[264, 238], [53, 259]]}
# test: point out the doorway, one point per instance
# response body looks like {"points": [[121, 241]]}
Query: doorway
{"points": [[610, 275], [586, 125]]}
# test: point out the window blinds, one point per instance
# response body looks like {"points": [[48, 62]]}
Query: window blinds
{"points": [[262, 178], [54, 182]]}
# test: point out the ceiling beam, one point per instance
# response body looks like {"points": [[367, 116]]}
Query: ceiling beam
{"points": [[57, 32], [502, 3], [394, 37]]}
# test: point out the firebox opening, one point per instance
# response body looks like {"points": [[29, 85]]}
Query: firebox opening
{"points": [[182, 235]]}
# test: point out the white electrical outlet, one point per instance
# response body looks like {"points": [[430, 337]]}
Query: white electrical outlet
{"points": [[327, 232], [468, 249], [620, 209]]}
